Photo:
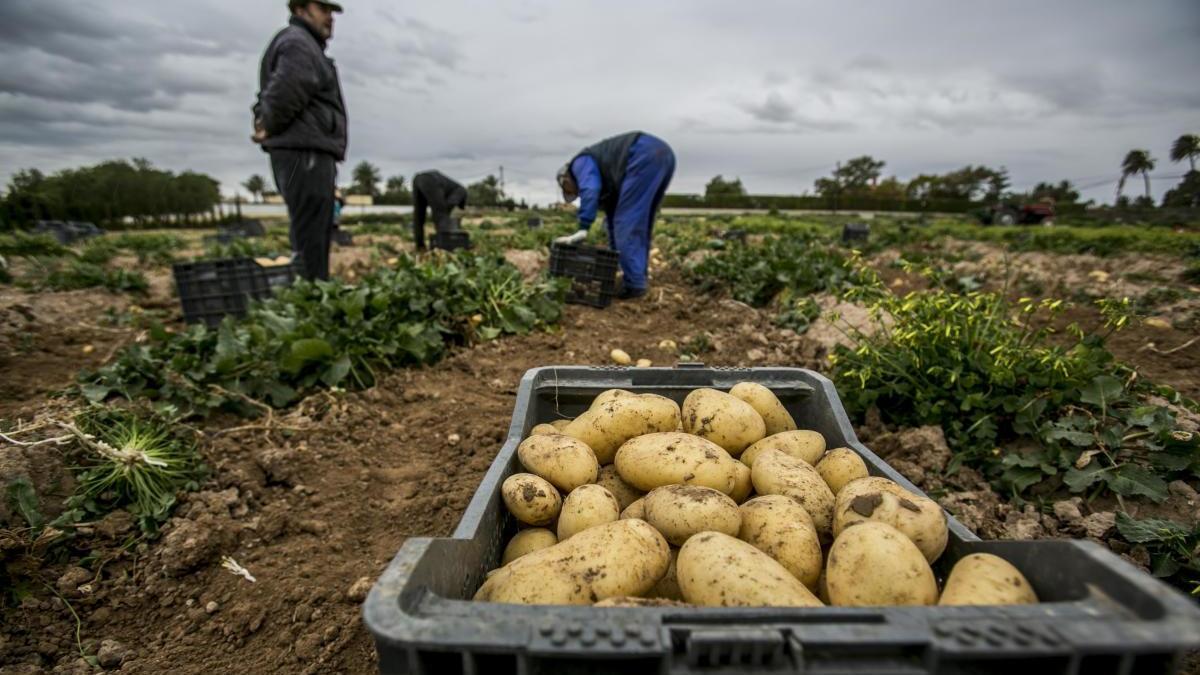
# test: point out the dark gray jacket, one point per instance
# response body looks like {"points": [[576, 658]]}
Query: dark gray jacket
{"points": [[300, 99], [611, 156]]}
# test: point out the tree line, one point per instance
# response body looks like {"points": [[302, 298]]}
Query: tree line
{"points": [[366, 179], [110, 193], [860, 181]]}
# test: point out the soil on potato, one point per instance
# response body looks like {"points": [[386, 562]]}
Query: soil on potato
{"points": [[314, 505]]}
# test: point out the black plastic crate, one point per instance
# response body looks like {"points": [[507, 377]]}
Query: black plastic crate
{"points": [[452, 240], [853, 232], [1099, 614], [210, 290], [342, 237], [593, 271], [534, 222]]}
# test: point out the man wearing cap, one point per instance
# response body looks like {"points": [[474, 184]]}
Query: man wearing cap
{"points": [[627, 176], [300, 121], [437, 192]]}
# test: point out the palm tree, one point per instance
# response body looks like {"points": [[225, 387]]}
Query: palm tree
{"points": [[1186, 147], [1137, 161], [255, 185]]}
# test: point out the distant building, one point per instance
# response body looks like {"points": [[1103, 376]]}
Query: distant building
{"points": [[359, 200], [272, 199]]}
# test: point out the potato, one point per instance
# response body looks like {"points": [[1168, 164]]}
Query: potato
{"points": [[587, 506], [767, 405], [872, 564], [986, 579], [564, 461], [620, 357], [777, 473], [533, 500], [840, 466], [543, 430], [609, 395], [920, 519], [674, 458], [667, 587], [560, 424], [805, 445], [716, 570], [635, 510], [680, 511], [625, 493], [743, 484], [632, 601], [616, 559], [725, 420], [781, 528], [526, 542], [605, 427]]}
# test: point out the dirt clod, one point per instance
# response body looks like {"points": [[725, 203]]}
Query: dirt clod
{"points": [[359, 589], [111, 653]]}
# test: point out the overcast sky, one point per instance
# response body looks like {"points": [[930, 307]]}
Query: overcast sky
{"points": [[772, 91]]}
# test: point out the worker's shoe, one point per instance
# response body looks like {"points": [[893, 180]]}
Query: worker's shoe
{"points": [[627, 293]]}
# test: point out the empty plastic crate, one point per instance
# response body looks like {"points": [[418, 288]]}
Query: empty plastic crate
{"points": [[452, 240], [210, 290], [1099, 615], [592, 270]]}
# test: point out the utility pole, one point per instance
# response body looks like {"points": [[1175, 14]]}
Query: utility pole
{"points": [[502, 179]]}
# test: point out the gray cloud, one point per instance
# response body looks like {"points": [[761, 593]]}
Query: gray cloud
{"points": [[775, 95]]}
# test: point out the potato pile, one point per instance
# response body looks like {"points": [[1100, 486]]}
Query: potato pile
{"points": [[723, 502]]}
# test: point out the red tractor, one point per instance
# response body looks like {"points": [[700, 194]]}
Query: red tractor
{"points": [[1037, 213]]}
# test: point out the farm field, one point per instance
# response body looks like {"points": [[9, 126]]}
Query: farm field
{"points": [[1039, 382]]}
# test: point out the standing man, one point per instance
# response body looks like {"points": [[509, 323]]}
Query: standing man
{"points": [[437, 192], [300, 121], [627, 176]]}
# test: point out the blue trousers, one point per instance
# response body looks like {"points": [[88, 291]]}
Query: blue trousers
{"points": [[647, 177]]}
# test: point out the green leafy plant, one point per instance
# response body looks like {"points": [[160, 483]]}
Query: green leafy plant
{"points": [[985, 370], [66, 274], [330, 334], [130, 461], [23, 245], [1174, 548]]}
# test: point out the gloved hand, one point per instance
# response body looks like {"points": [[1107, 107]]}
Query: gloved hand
{"points": [[576, 238]]}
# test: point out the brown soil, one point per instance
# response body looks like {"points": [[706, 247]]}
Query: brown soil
{"points": [[311, 512], [316, 504]]}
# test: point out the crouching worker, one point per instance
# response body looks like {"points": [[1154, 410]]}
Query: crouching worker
{"points": [[626, 176], [436, 192]]}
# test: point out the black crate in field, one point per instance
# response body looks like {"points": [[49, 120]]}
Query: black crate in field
{"points": [[210, 290], [593, 272], [1098, 615], [452, 240]]}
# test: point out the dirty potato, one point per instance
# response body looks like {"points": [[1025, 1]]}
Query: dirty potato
{"points": [[723, 419], [533, 500], [873, 498], [805, 445], [840, 466], [625, 493], [674, 458], [781, 528], [872, 564], [622, 558], [667, 587], [605, 427], [986, 579], [680, 511], [743, 483], [564, 461], [543, 430], [559, 425], [585, 507], [717, 570], [526, 542], [635, 510], [767, 404], [777, 473]]}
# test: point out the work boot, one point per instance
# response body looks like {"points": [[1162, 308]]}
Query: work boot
{"points": [[627, 293]]}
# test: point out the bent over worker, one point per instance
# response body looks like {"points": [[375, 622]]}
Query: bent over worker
{"points": [[627, 176], [435, 191]]}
